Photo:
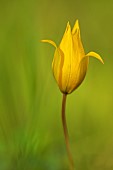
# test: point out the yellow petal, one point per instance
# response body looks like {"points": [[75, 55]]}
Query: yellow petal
{"points": [[77, 43], [93, 54], [76, 27], [79, 74], [66, 50], [57, 67], [66, 39], [50, 42]]}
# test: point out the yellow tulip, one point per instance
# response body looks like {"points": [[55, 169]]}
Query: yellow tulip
{"points": [[70, 61]]}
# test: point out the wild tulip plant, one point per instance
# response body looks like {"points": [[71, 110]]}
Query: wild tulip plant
{"points": [[69, 67]]}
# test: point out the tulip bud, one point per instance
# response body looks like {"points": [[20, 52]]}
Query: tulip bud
{"points": [[70, 62]]}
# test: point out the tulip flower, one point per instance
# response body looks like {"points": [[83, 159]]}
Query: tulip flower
{"points": [[69, 67], [70, 61]]}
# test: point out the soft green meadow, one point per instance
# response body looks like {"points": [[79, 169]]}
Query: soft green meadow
{"points": [[31, 134]]}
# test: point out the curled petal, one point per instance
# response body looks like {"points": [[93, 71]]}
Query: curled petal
{"points": [[50, 42], [93, 54]]}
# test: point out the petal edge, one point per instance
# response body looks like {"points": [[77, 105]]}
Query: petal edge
{"points": [[76, 27], [50, 42], [93, 54]]}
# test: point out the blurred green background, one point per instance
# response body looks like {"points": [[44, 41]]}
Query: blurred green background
{"points": [[31, 135]]}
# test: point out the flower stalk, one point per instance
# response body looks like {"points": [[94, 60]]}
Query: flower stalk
{"points": [[66, 135], [69, 67]]}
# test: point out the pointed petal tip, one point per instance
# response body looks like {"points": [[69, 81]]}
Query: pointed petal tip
{"points": [[77, 22], [102, 61], [68, 26], [68, 23], [93, 54], [42, 40], [76, 27]]}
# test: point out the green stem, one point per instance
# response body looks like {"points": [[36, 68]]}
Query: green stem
{"points": [[66, 132]]}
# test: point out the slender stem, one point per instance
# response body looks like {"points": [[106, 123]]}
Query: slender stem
{"points": [[66, 132]]}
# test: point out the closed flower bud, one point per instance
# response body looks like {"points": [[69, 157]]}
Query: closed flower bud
{"points": [[70, 61]]}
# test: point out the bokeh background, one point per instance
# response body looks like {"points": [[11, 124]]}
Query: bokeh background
{"points": [[31, 135]]}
